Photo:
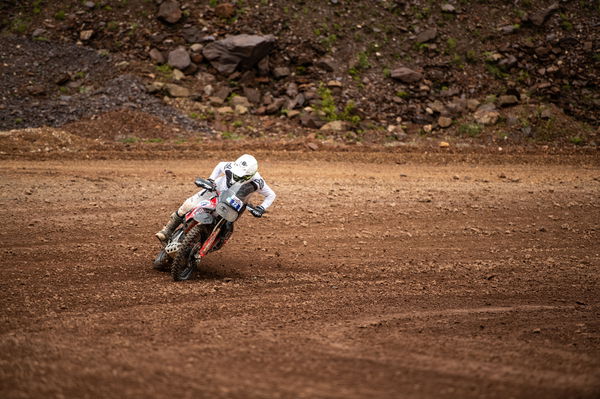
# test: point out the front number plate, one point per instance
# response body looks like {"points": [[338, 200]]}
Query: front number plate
{"points": [[235, 203]]}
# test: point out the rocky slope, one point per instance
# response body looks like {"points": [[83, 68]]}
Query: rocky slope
{"points": [[509, 71]]}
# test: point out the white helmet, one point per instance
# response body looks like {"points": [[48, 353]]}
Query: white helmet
{"points": [[244, 168]]}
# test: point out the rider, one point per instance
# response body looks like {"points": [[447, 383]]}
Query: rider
{"points": [[244, 169]]}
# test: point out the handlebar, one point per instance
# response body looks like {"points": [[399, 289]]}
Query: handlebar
{"points": [[205, 184]]}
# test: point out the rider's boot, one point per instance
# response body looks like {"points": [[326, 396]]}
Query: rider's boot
{"points": [[165, 234]]}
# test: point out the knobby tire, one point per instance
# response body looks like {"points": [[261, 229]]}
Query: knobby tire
{"points": [[184, 265]]}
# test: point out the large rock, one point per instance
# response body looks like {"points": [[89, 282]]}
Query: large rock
{"points": [[311, 120], [508, 100], [179, 58], [426, 35], [327, 63], [240, 50], [177, 91], [253, 95], [169, 11], [486, 114], [336, 126], [406, 75], [240, 100], [541, 16], [444, 122]]}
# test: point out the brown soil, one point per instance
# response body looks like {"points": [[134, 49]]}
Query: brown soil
{"points": [[369, 278]]}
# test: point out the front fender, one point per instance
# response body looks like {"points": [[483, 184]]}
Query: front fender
{"points": [[204, 218]]}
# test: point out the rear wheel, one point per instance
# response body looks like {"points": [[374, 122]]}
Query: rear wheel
{"points": [[184, 264]]}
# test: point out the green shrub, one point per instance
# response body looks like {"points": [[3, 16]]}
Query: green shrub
{"points": [[327, 103], [577, 140], [471, 129]]}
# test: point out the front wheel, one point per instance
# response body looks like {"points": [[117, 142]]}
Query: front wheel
{"points": [[184, 264]]}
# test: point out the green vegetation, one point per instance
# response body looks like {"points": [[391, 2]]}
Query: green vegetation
{"points": [[565, 23], [349, 113], [231, 136], [327, 105], [577, 140], [129, 140], [402, 94], [112, 25], [471, 129], [495, 71], [451, 44], [237, 124], [19, 25], [155, 140], [60, 15], [18, 120], [165, 71], [362, 64], [471, 56], [214, 3], [37, 6], [301, 70]]}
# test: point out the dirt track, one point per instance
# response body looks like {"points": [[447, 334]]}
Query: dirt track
{"points": [[365, 280]]}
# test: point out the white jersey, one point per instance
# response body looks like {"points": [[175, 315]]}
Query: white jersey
{"points": [[223, 178]]}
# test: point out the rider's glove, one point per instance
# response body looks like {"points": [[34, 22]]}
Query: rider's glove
{"points": [[257, 211], [212, 183]]}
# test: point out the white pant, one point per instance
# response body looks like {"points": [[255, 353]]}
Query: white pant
{"points": [[194, 201]]}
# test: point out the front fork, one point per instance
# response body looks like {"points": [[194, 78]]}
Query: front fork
{"points": [[210, 241]]}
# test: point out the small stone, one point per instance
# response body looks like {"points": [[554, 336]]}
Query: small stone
{"points": [[177, 74], [336, 126], [473, 104], [225, 10], [224, 110], [537, 330], [241, 110], [196, 47], [426, 35], [169, 11], [196, 58], [38, 32], [312, 146], [334, 83], [507, 100], [156, 56], [406, 75], [448, 8], [444, 144], [327, 63], [281, 72], [547, 113], [427, 128], [444, 122], [86, 34], [177, 91], [240, 100], [179, 58]]}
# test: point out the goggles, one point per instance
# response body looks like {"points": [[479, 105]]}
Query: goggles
{"points": [[241, 178]]}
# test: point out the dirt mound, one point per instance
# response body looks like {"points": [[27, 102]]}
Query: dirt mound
{"points": [[45, 139], [50, 84], [125, 126]]}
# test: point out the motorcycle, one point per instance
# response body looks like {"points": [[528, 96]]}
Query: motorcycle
{"points": [[206, 228]]}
